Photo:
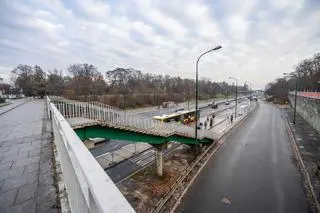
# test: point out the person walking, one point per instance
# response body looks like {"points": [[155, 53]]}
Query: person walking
{"points": [[211, 121], [231, 118], [205, 124]]}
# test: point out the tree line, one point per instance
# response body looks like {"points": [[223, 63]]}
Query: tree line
{"points": [[306, 76], [121, 87]]}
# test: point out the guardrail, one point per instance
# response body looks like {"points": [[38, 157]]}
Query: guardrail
{"points": [[88, 187]]}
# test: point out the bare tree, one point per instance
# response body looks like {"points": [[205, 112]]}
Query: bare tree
{"points": [[55, 83], [85, 76], [39, 81], [22, 78]]}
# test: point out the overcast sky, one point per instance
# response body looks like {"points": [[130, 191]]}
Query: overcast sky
{"points": [[260, 39]]}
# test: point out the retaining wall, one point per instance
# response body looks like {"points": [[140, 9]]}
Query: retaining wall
{"points": [[308, 106]]}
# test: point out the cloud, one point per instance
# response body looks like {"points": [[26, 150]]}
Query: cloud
{"points": [[260, 39]]}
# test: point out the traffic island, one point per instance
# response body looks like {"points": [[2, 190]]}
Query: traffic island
{"points": [[145, 189]]}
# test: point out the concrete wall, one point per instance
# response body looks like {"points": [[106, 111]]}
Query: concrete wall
{"points": [[308, 108]]}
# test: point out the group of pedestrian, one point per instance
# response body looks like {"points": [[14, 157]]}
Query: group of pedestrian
{"points": [[229, 119], [207, 123]]}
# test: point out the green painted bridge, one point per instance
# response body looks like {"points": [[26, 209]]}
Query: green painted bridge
{"points": [[93, 119], [135, 135]]}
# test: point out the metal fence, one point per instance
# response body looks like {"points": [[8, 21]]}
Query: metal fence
{"points": [[115, 116], [88, 187], [95, 111]]}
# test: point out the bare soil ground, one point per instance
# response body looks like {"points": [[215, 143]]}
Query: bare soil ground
{"points": [[144, 190]]}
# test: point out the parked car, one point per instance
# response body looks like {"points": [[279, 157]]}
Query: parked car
{"points": [[214, 106], [227, 103], [179, 109], [168, 104]]}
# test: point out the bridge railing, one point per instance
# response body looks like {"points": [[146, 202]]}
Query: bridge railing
{"points": [[116, 116], [104, 113], [88, 187]]}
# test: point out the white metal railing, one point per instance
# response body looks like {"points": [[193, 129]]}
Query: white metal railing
{"points": [[114, 116], [88, 187]]}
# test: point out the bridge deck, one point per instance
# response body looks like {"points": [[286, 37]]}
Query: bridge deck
{"points": [[26, 169]]}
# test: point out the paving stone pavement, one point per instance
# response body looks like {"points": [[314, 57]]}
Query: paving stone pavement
{"points": [[26, 167]]}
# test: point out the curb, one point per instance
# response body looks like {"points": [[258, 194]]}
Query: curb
{"points": [[299, 158]]}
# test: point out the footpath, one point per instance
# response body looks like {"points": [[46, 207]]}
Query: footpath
{"points": [[13, 104], [26, 167], [307, 140]]}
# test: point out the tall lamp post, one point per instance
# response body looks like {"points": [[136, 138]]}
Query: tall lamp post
{"points": [[250, 88], [295, 96], [235, 111], [197, 65]]}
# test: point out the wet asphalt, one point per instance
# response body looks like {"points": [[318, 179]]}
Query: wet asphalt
{"points": [[254, 171]]}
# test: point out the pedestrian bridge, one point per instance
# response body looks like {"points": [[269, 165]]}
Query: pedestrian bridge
{"points": [[88, 187], [93, 119], [82, 179]]}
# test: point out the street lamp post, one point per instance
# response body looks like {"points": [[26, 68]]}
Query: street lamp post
{"points": [[188, 96], [295, 101], [235, 111], [197, 64], [295, 96], [250, 91], [250, 88]]}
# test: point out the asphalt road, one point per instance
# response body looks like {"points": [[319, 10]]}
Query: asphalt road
{"points": [[203, 108], [125, 168], [254, 170], [108, 146]]}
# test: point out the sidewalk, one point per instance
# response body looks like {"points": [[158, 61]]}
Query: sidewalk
{"points": [[12, 105], [308, 142], [26, 167]]}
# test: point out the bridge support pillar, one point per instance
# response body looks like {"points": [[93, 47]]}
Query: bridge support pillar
{"points": [[159, 160]]}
